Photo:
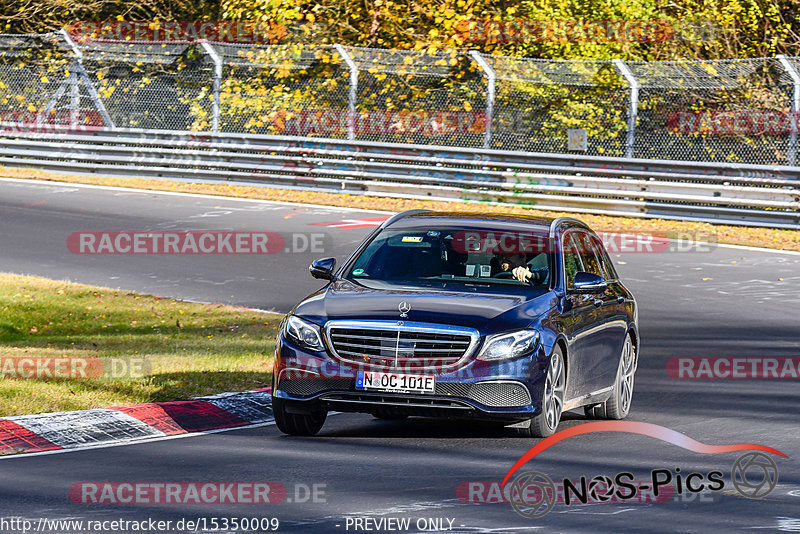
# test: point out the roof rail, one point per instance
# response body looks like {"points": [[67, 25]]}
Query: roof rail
{"points": [[397, 216]]}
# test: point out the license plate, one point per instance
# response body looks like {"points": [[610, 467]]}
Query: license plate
{"points": [[395, 382]]}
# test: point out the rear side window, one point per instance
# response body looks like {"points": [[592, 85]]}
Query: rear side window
{"points": [[609, 273], [572, 261], [586, 249]]}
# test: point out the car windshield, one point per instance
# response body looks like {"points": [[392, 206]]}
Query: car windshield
{"points": [[455, 258]]}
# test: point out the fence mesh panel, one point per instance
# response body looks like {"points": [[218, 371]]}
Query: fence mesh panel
{"points": [[424, 97], [32, 70], [152, 85], [735, 110], [538, 101], [713, 111], [283, 90]]}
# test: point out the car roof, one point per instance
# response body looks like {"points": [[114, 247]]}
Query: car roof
{"points": [[417, 218]]}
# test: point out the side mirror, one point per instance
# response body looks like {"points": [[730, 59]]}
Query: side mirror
{"points": [[589, 282], [322, 268]]}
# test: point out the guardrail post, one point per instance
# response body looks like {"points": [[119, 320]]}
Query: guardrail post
{"points": [[491, 78], [216, 84], [793, 74], [353, 93], [633, 109], [80, 72]]}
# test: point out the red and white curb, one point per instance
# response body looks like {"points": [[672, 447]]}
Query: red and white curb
{"points": [[130, 424]]}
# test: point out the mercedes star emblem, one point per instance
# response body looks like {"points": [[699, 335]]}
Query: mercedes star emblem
{"points": [[404, 308]]}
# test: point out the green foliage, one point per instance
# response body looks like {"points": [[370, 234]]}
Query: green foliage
{"points": [[682, 29], [36, 16], [679, 29]]}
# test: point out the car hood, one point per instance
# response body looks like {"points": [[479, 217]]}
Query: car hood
{"points": [[487, 312]]}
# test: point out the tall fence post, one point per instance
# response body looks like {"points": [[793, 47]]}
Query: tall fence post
{"points": [[80, 74], [491, 78], [217, 84], [792, 72], [633, 109], [74, 101], [353, 93]]}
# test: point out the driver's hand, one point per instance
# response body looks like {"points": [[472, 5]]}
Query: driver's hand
{"points": [[523, 274]]}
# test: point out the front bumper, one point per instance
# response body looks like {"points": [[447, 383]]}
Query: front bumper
{"points": [[505, 391]]}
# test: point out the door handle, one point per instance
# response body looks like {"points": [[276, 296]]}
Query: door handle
{"points": [[598, 303]]}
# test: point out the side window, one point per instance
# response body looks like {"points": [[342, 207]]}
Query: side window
{"points": [[572, 261], [586, 249], [605, 262]]}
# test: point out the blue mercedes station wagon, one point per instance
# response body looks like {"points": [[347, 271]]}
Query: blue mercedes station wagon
{"points": [[502, 318]]}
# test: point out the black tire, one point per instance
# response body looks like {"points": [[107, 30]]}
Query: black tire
{"points": [[546, 421], [619, 404], [296, 424]]}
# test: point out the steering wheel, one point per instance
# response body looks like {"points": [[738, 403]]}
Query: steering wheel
{"points": [[508, 275]]}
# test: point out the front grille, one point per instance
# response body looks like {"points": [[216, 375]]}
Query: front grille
{"points": [[500, 394], [403, 345], [494, 394], [454, 389]]}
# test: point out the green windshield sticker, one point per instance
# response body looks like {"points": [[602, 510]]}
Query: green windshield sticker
{"points": [[356, 272]]}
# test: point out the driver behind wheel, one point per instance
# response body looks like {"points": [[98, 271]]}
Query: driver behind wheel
{"points": [[517, 264]]}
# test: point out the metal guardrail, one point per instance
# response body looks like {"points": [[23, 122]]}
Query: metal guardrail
{"points": [[717, 192], [739, 110]]}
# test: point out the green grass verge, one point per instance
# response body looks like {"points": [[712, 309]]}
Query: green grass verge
{"points": [[188, 349]]}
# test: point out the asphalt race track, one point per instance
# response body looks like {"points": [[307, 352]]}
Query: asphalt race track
{"points": [[711, 302]]}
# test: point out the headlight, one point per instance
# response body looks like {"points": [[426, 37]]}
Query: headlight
{"points": [[508, 346], [303, 333]]}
